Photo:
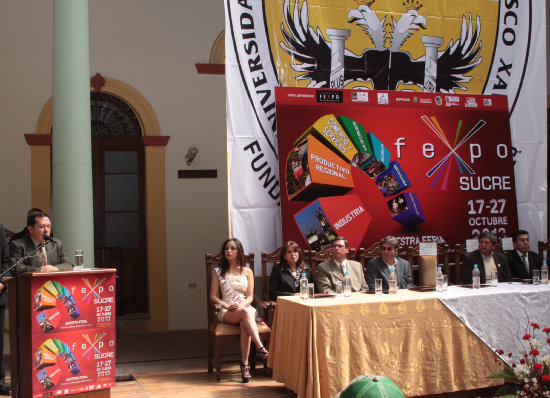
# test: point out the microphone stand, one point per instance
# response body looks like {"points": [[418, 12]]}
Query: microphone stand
{"points": [[17, 308]]}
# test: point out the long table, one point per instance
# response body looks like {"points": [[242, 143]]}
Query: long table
{"points": [[318, 345]]}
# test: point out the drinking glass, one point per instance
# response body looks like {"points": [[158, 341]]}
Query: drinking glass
{"points": [[494, 278], [311, 290], [536, 277], [78, 260], [445, 283], [393, 286], [378, 286]]}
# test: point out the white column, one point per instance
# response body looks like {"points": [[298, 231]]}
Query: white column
{"points": [[338, 39], [72, 191], [432, 44]]}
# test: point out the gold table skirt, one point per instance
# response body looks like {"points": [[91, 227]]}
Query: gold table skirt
{"points": [[318, 346]]}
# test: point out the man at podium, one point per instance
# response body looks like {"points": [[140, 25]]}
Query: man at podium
{"points": [[51, 257]]}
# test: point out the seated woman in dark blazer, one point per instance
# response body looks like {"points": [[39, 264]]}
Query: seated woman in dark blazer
{"points": [[285, 277]]}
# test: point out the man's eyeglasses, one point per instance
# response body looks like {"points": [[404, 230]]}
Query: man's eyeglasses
{"points": [[386, 249]]}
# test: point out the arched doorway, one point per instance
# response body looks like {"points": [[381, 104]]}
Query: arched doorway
{"points": [[119, 199], [152, 144]]}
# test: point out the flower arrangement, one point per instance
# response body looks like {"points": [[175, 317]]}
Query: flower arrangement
{"points": [[529, 372]]}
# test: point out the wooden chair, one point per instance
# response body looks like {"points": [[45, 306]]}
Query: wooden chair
{"points": [[542, 247], [220, 333], [413, 256], [316, 258], [459, 252], [365, 255], [273, 258]]}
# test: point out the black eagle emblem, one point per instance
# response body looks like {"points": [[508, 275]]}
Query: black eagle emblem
{"points": [[385, 67]]}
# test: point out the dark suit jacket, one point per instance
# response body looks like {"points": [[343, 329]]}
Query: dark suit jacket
{"points": [[281, 282], [377, 268], [56, 255], [328, 273], [4, 258], [517, 268], [475, 258]]}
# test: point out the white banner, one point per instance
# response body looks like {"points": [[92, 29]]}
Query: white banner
{"points": [[483, 47]]}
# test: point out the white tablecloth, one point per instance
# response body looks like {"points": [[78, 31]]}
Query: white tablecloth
{"points": [[501, 315]]}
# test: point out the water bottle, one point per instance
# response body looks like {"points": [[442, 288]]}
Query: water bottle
{"points": [[439, 280], [393, 281], [347, 284], [544, 273], [304, 289], [476, 280]]}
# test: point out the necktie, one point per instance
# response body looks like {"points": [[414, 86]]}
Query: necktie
{"points": [[344, 268], [524, 259], [43, 257]]}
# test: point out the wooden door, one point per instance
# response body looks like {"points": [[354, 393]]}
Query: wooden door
{"points": [[118, 164], [119, 217]]}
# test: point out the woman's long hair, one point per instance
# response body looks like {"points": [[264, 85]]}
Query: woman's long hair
{"points": [[240, 256], [293, 245]]}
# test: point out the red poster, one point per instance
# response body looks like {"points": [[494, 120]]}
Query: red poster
{"points": [[73, 333], [425, 167]]}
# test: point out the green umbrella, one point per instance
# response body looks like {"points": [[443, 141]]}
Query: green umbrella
{"points": [[371, 386]]}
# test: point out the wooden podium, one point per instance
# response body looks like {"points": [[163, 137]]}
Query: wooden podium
{"points": [[67, 333]]}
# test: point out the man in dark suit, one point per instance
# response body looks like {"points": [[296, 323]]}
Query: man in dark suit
{"points": [[522, 261], [380, 267], [52, 257], [487, 261], [331, 273], [4, 253]]}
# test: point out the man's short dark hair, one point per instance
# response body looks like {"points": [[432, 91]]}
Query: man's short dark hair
{"points": [[518, 233], [489, 235], [32, 219], [342, 239]]}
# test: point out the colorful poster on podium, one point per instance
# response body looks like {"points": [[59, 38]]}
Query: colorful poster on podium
{"points": [[419, 166], [73, 333]]}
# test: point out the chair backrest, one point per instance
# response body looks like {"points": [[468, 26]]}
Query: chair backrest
{"points": [[542, 247], [365, 255], [274, 258], [213, 261], [459, 252], [324, 254], [413, 256]]}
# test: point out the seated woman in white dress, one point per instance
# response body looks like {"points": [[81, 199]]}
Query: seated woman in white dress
{"points": [[236, 283]]}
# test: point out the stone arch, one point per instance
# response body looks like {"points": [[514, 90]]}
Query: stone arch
{"points": [[217, 53]]}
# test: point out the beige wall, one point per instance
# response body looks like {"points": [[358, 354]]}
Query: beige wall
{"points": [[152, 46]]}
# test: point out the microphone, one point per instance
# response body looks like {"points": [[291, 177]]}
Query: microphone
{"points": [[48, 238]]}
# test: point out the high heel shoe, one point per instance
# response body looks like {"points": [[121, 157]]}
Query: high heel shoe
{"points": [[245, 372], [262, 354]]}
